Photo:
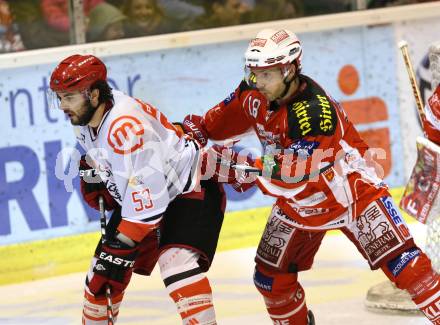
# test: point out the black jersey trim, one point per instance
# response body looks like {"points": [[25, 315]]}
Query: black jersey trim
{"points": [[157, 216]]}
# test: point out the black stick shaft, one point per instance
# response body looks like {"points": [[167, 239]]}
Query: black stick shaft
{"points": [[108, 293]]}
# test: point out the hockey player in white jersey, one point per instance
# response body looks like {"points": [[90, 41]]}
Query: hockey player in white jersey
{"points": [[147, 175]]}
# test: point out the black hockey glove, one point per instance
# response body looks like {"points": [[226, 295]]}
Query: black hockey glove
{"points": [[114, 267]]}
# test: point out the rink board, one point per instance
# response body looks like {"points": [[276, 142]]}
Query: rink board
{"points": [[186, 72], [42, 259]]}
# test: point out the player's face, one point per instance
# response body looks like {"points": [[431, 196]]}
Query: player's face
{"points": [[269, 82], [142, 11], [77, 106]]}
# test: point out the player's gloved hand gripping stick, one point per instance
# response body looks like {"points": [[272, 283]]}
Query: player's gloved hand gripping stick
{"points": [[270, 167], [92, 186], [115, 259]]}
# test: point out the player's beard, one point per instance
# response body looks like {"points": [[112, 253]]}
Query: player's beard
{"points": [[84, 115]]}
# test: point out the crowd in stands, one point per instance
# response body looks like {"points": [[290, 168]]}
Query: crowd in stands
{"points": [[33, 24]]}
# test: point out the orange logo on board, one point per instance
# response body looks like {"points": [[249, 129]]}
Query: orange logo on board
{"points": [[124, 135], [366, 111]]}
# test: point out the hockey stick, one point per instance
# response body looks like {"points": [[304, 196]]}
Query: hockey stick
{"points": [[296, 179], [403, 45], [108, 293]]}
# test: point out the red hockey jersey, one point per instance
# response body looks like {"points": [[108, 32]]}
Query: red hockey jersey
{"points": [[431, 123], [307, 133]]}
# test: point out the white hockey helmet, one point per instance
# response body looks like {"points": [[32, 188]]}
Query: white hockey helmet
{"points": [[272, 48]]}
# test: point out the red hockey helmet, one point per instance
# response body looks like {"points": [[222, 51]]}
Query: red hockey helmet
{"points": [[77, 72]]}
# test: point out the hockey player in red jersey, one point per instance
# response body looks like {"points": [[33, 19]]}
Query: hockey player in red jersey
{"points": [[146, 170], [431, 122], [323, 177], [420, 198]]}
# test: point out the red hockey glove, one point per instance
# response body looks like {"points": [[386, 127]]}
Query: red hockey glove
{"points": [[92, 187], [220, 163], [114, 267], [194, 126]]}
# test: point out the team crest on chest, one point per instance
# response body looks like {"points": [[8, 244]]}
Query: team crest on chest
{"points": [[125, 134]]}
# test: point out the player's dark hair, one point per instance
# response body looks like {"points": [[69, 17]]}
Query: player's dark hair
{"points": [[105, 91]]}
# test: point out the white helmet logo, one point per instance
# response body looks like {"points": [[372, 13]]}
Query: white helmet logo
{"points": [[279, 36], [258, 42]]}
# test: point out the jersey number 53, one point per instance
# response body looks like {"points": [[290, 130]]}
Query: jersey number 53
{"points": [[142, 199]]}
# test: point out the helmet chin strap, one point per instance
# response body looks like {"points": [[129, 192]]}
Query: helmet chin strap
{"points": [[286, 87], [287, 84]]}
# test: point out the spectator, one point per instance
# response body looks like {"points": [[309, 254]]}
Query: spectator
{"points": [[106, 22], [322, 7], [230, 12], [223, 13], [56, 12], [145, 17], [32, 27], [10, 40], [181, 10], [266, 10]]}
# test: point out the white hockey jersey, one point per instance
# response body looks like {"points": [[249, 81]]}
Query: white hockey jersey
{"points": [[143, 159]]}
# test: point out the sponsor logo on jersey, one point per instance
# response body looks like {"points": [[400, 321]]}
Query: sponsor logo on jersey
{"points": [[269, 140], [395, 215], [388, 203], [329, 174], [112, 188], [398, 264], [136, 181], [275, 238], [308, 212], [302, 115], [432, 311], [326, 122], [279, 36], [229, 99], [375, 233], [262, 281], [260, 42], [303, 148], [125, 134]]}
